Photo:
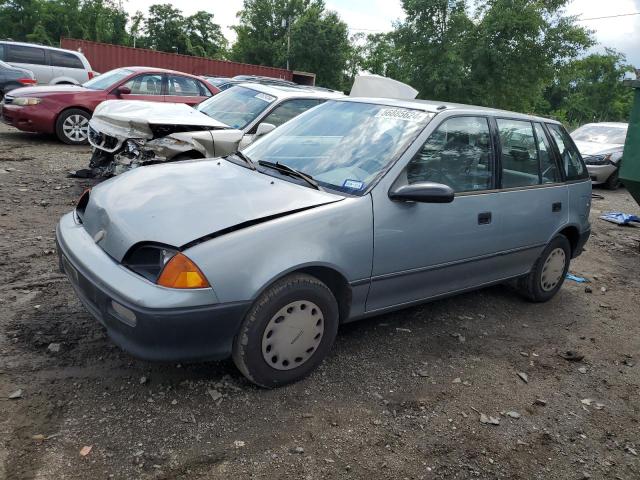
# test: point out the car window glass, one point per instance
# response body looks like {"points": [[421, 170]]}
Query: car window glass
{"points": [[600, 134], [236, 107], [457, 154], [146, 84], [2, 52], [63, 59], [548, 168], [22, 54], [519, 153], [183, 86], [287, 110], [344, 145], [573, 167], [204, 91]]}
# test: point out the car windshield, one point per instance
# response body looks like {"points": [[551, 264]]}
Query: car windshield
{"points": [[106, 80], [236, 107], [344, 146], [600, 134]]}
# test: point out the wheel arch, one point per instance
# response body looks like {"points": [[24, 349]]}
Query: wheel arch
{"points": [[572, 232], [331, 276]]}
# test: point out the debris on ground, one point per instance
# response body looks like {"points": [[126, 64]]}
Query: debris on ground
{"points": [[15, 395], [524, 377], [86, 450], [620, 218], [512, 414], [575, 278], [238, 444], [54, 347], [214, 394], [488, 420], [143, 380], [540, 401], [572, 356]]}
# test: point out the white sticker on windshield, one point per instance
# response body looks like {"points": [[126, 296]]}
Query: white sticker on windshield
{"points": [[353, 184], [265, 97], [402, 114]]}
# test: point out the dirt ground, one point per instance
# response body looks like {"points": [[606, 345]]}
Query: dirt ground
{"points": [[400, 397]]}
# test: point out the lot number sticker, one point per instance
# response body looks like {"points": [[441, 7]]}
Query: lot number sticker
{"points": [[402, 114], [265, 97]]}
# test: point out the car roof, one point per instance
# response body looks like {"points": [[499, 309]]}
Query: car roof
{"points": [[37, 45], [433, 106], [607, 124], [286, 91], [138, 69]]}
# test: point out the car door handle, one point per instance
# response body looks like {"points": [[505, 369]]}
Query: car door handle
{"points": [[556, 207], [484, 218]]}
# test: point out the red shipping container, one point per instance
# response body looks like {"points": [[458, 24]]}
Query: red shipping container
{"points": [[104, 57]]}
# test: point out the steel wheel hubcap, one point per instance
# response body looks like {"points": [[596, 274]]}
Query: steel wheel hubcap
{"points": [[553, 269], [292, 335], [76, 127]]}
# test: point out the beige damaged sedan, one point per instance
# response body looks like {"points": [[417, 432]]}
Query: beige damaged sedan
{"points": [[129, 134]]}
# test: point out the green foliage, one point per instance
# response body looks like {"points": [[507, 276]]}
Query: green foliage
{"points": [[319, 40], [590, 90]]}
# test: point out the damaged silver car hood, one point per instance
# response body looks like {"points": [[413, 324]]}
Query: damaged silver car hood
{"points": [[177, 203], [132, 118]]}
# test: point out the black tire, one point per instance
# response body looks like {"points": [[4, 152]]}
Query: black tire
{"points": [[531, 286], [248, 344], [613, 182], [72, 137]]}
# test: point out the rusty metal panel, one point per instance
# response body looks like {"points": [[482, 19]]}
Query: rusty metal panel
{"points": [[104, 57]]}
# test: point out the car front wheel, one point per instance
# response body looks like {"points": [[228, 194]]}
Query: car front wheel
{"points": [[287, 332], [548, 273], [72, 126]]}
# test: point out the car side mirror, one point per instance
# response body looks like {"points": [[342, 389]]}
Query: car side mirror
{"points": [[123, 91], [264, 128], [423, 192]]}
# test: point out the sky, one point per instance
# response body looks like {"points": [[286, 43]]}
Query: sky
{"points": [[371, 16]]}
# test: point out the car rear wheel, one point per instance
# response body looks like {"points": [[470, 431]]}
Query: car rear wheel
{"points": [[613, 182], [72, 126], [548, 273], [287, 332]]}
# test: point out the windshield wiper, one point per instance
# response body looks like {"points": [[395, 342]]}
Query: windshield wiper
{"points": [[244, 158], [287, 170]]}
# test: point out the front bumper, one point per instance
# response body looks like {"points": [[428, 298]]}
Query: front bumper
{"points": [[33, 118], [600, 173], [146, 320]]}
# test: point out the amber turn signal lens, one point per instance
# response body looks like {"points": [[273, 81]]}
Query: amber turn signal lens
{"points": [[180, 272]]}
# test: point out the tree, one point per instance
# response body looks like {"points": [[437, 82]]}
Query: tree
{"points": [[590, 90], [320, 44], [205, 36], [319, 39], [166, 29]]}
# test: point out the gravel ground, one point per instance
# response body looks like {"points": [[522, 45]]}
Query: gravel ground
{"points": [[401, 396]]}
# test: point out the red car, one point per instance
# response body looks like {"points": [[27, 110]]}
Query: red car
{"points": [[66, 109]]}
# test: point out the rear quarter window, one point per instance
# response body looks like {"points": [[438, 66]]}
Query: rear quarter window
{"points": [[67, 60], [23, 54], [570, 158]]}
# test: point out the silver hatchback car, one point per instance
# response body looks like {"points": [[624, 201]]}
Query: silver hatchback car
{"points": [[354, 208]]}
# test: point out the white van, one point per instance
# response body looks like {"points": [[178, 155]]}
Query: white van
{"points": [[51, 66]]}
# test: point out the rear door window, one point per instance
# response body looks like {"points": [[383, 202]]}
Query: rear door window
{"points": [[570, 159], [66, 60], [23, 54], [458, 154], [548, 168], [519, 153], [145, 84], [184, 87]]}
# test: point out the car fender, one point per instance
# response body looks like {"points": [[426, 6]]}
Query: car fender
{"points": [[241, 264]]}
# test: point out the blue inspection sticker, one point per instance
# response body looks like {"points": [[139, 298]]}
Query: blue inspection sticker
{"points": [[353, 184]]}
